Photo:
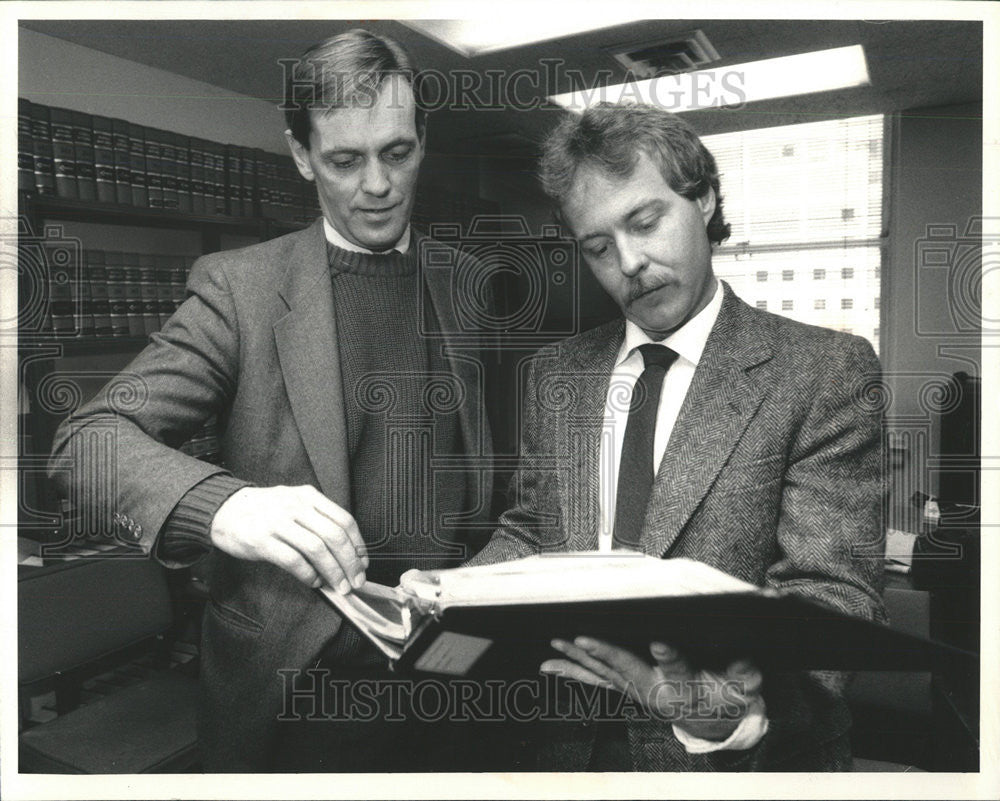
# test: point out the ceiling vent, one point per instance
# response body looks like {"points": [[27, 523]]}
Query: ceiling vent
{"points": [[679, 53]]}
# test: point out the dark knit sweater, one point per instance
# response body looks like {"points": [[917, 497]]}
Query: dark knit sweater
{"points": [[398, 401]]}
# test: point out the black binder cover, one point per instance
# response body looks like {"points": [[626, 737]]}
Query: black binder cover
{"points": [[777, 632]]}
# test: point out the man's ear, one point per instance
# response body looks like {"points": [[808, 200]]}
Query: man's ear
{"points": [[300, 155], [706, 203]]}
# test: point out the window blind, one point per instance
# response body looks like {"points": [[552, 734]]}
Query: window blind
{"points": [[805, 205]]}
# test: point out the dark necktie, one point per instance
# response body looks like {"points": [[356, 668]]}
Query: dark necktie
{"points": [[636, 469]]}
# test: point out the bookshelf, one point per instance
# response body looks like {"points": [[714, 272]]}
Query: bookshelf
{"points": [[111, 216]]}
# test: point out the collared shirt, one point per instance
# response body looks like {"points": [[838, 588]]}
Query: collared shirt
{"points": [[334, 237], [688, 342]]}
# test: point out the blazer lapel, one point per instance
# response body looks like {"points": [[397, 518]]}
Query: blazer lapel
{"points": [[306, 339], [723, 397], [589, 370]]}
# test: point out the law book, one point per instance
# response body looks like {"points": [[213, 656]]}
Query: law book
{"points": [[168, 169], [154, 172], [149, 302], [133, 294], [96, 274], [164, 294], [104, 160], [197, 153], [137, 165], [499, 620], [234, 180], [41, 135], [117, 298], [182, 152], [247, 178], [63, 153], [121, 151], [83, 151], [25, 147]]}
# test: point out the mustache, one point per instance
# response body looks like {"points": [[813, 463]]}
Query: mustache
{"points": [[642, 286]]}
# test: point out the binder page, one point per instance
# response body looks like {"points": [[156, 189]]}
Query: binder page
{"points": [[581, 576]]}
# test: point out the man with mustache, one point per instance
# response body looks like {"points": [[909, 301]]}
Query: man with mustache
{"points": [[696, 427], [316, 350]]}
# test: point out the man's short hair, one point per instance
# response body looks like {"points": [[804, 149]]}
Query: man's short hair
{"points": [[344, 70], [610, 136]]}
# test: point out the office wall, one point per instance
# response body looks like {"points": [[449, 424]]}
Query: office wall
{"points": [[932, 274], [58, 73]]}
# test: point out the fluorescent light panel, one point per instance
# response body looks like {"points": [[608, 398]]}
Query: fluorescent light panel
{"points": [[807, 73], [473, 37]]}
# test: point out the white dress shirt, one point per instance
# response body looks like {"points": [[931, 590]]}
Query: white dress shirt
{"points": [[688, 342], [334, 237]]}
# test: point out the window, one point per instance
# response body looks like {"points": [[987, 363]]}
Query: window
{"points": [[847, 303], [762, 304], [800, 199]]}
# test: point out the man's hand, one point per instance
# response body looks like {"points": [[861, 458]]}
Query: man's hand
{"points": [[705, 704], [296, 528]]}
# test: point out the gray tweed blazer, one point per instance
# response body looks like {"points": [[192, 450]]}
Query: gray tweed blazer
{"points": [[773, 473]]}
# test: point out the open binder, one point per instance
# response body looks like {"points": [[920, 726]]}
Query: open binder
{"points": [[499, 620]]}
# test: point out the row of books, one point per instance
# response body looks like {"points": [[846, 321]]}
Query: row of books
{"points": [[76, 156], [113, 294]]}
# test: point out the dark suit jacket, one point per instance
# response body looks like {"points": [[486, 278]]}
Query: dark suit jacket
{"points": [[773, 473], [256, 343]]}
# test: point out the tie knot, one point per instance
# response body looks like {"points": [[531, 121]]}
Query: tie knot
{"points": [[660, 355]]}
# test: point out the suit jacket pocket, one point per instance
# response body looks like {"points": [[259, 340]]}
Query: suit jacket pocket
{"points": [[234, 617]]}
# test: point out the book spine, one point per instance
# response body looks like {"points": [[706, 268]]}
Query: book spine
{"points": [[104, 160], [63, 154], [234, 181], [25, 147], [197, 176], [121, 153], [133, 295], [154, 173], [83, 149], [247, 180], [164, 296], [63, 296], [41, 134], [219, 178], [260, 182], [137, 165], [168, 170], [98, 278], [182, 149], [147, 294], [117, 300], [83, 307], [178, 277]]}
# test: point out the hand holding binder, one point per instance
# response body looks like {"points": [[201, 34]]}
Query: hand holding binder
{"points": [[707, 704]]}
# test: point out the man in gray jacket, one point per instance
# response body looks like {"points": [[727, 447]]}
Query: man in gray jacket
{"points": [[325, 355], [698, 427]]}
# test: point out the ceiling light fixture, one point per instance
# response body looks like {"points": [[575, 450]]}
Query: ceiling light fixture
{"points": [[735, 85]]}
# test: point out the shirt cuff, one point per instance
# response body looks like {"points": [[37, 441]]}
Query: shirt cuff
{"points": [[747, 734], [186, 534]]}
